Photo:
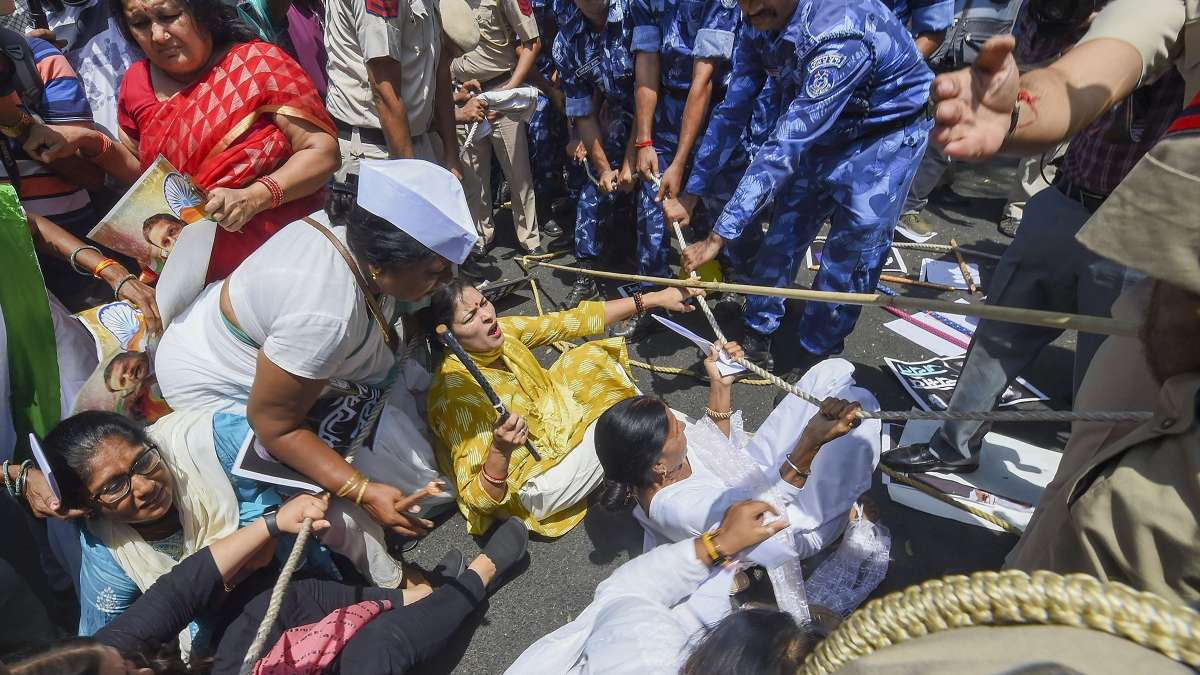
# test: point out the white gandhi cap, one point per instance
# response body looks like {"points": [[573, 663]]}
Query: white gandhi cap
{"points": [[422, 199]]}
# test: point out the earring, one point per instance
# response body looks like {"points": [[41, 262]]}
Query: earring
{"points": [[374, 275]]}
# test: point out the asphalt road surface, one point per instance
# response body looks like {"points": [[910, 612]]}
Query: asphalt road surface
{"points": [[563, 573]]}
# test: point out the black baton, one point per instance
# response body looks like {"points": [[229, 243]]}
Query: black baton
{"points": [[447, 338]]}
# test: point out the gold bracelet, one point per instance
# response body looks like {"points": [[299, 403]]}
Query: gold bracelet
{"points": [[710, 546], [350, 484], [718, 415], [362, 489]]}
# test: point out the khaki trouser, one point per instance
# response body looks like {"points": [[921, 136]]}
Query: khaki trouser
{"points": [[426, 146], [509, 141]]}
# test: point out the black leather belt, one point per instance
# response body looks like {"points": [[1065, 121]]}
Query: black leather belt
{"points": [[1086, 198], [368, 134]]}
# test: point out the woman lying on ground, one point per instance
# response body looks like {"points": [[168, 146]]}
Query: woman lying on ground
{"points": [[308, 328], [322, 626], [554, 408], [154, 496], [630, 626], [237, 115], [812, 462]]}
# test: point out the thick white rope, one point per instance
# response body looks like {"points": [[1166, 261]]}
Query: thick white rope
{"points": [[941, 415], [293, 559]]}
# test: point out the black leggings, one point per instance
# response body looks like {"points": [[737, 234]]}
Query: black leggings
{"points": [[392, 642]]}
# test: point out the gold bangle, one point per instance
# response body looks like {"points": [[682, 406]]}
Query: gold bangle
{"points": [[362, 489], [710, 546], [718, 415], [350, 484]]}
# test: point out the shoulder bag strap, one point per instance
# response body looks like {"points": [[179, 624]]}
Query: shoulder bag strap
{"points": [[389, 333]]}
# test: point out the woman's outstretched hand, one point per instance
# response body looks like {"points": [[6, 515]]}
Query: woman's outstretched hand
{"points": [[393, 509]]}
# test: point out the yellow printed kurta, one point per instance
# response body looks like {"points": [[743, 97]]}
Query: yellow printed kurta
{"points": [[558, 403]]}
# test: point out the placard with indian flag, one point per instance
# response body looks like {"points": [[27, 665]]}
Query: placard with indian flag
{"points": [[147, 221]]}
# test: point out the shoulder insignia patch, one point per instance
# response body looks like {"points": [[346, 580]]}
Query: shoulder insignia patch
{"points": [[829, 60], [819, 83], [387, 9], [729, 4], [526, 7]]}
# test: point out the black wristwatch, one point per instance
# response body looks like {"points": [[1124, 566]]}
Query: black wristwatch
{"points": [[269, 518]]}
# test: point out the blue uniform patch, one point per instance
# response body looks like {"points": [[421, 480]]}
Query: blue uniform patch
{"points": [[819, 83]]}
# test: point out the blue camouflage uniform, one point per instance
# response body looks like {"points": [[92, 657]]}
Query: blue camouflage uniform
{"points": [[923, 16], [679, 31], [852, 91], [596, 62], [547, 132]]}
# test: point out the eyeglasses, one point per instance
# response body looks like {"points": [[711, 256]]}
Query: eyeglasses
{"points": [[146, 463]]}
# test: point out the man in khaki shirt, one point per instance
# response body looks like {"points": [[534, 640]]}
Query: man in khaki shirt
{"points": [[389, 83], [508, 47]]}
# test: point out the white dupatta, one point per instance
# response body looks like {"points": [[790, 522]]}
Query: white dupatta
{"points": [[204, 498]]}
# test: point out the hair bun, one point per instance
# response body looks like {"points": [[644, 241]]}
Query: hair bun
{"points": [[615, 496]]}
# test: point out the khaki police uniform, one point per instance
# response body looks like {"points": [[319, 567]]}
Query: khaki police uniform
{"points": [[1164, 32], [356, 31], [503, 24]]}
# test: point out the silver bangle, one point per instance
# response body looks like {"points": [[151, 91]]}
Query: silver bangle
{"points": [[805, 473], [76, 252], [121, 284]]}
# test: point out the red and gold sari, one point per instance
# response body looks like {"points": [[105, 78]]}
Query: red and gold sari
{"points": [[220, 131]]}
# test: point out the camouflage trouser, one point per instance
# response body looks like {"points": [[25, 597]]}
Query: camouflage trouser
{"points": [[547, 135], [594, 210], [861, 191]]}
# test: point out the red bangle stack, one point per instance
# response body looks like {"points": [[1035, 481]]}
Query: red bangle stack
{"points": [[274, 189], [644, 144]]}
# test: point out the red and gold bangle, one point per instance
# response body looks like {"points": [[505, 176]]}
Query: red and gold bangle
{"points": [[103, 265], [498, 482], [648, 143], [637, 303], [274, 189]]}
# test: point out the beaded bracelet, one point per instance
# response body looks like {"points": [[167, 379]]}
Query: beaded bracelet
{"points": [[76, 252], [637, 303], [718, 415], [274, 189]]}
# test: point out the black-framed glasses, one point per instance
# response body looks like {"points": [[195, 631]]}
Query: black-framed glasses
{"points": [[116, 489]]}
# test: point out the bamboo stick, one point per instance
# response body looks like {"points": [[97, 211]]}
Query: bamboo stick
{"points": [[1032, 317]]}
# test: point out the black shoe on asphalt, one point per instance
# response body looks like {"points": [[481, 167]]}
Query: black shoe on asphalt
{"points": [[480, 248], [451, 566], [920, 458], [584, 289], [550, 228], [472, 267], [536, 250], [506, 546], [634, 328], [757, 347]]}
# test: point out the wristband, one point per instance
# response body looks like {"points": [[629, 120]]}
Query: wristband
{"points": [[708, 539], [272, 523], [648, 143], [103, 265]]}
